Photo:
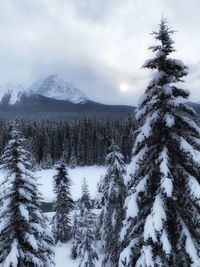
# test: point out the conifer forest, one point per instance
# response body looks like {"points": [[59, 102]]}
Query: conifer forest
{"points": [[122, 190]]}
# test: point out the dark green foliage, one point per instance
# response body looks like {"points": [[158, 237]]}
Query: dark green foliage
{"points": [[63, 204], [113, 193], [24, 236], [77, 142], [162, 207], [85, 201], [83, 244]]}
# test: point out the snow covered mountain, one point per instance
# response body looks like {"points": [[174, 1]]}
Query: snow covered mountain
{"points": [[53, 97], [54, 87], [12, 93]]}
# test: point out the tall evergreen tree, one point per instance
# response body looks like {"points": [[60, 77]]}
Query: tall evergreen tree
{"points": [[24, 237], [86, 250], [79, 224], [112, 215], [163, 209], [84, 234], [85, 201], [63, 204], [75, 236]]}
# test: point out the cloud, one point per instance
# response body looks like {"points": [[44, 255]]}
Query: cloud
{"points": [[98, 44]]}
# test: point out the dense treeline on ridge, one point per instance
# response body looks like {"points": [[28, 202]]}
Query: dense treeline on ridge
{"points": [[79, 142]]}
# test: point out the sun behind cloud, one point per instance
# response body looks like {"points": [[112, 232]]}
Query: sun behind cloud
{"points": [[124, 87]]}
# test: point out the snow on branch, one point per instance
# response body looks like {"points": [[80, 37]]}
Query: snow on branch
{"points": [[166, 182], [186, 147], [194, 188], [146, 129], [155, 224], [131, 201], [135, 163], [190, 246]]}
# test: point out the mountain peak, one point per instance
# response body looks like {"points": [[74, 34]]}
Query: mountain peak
{"points": [[12, 92], [56, 88]]}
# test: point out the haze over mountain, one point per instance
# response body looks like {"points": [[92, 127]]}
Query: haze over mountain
{"points": [[53, 97], [12, 93], [56, 88]]}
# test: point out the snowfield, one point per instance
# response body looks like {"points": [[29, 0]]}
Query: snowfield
{"points": [[92, 175], [62, 256]]}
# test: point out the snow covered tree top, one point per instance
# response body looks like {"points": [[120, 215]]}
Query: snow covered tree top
{"points": [[85, 202], [164, 36], [114, 159], [168, 72], [162, 223]]}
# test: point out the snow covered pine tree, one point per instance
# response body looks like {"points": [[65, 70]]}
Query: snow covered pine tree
{"points": [[86, 243], [63, 205], [163, 204], [85, 201], [24, 237], [75, 236], [112, 214]]}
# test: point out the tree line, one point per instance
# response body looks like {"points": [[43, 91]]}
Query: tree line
{"points": [[78, 142]]}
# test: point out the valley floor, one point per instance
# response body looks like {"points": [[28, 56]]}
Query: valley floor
{"points": [[62, 256], [92, 175]]}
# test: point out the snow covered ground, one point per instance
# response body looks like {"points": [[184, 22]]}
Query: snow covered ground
{"points": [[62, 257], [92, 175], [63, 251]]}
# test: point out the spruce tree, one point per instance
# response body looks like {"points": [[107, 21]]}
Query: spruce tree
{"points": [[24, 237], [162, 207], [99, 199], [63, 205], [85, 201], [85, 236], [84, 205], [112, 215], [75, 236], [86, 250]]}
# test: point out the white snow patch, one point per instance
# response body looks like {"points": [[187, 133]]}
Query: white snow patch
{"points": [[185, 146], [125, 255], [146, 129], [134, 165], [62, 256], [169, 119], [167, 89], [32, 241], [154, 221], [146, 258], [165, 242], [190, 247], [166, 182], [194, 188], [24, 212], [131, 201], [92, 175], [12, 258]]}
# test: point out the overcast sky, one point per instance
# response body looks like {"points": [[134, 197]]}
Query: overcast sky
{"points": [[99, 45]]}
